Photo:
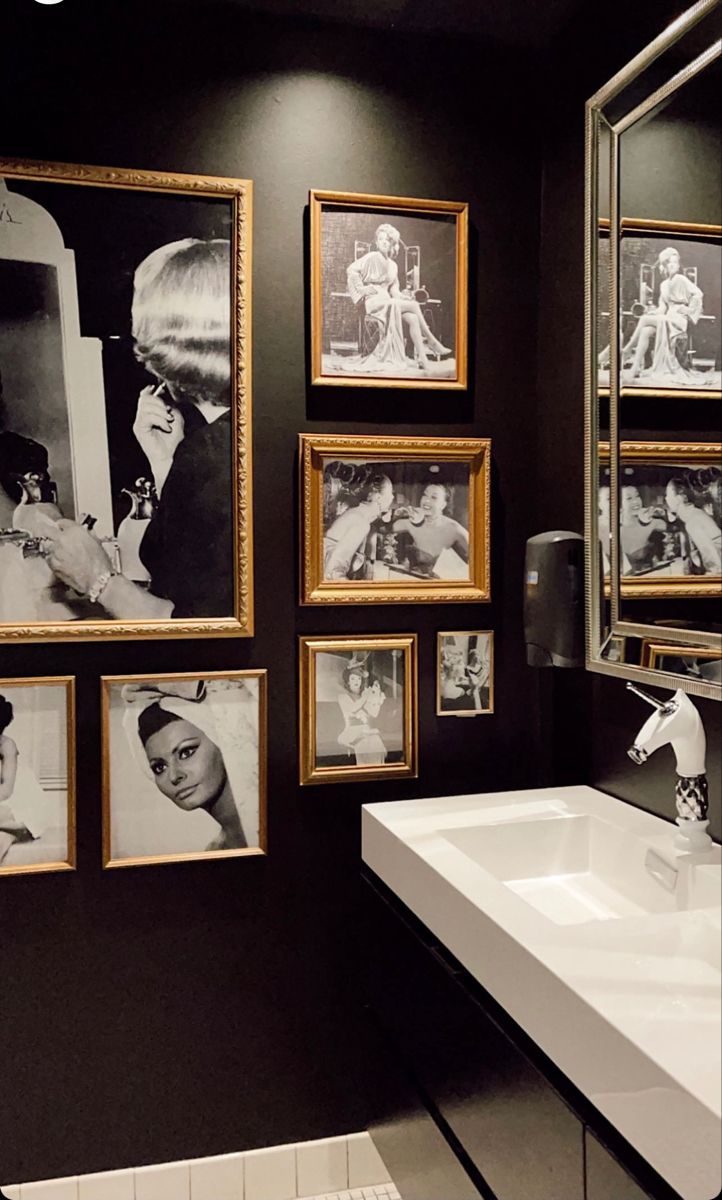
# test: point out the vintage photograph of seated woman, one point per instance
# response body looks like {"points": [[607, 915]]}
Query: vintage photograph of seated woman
{"points": [[359, 708], [116, 460], [395, 521], [389, 299]]}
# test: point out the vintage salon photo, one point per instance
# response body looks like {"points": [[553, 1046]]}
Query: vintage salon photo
{"points": [[358, 708], [394, 519], [465, 674], [37, 775], [184, 767], [125, 505], [671, 309], [693, 662], [670, 518], [389, 283]]}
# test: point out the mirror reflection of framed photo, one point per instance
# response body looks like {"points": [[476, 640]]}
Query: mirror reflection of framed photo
{"points": [[125, 505], [184, 767], [37, 775], [389, 291], [670, 518], [394, 519], [671, 309], [696, 662], [465, 674], [358, 708]]}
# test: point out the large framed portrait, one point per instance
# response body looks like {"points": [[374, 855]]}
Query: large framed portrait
{"points": [[37, 775], [394, 519], [670, 518], [125, 473], [465, 674], [358, 708], [389, 291], [184, 767], [670, 279], [696, 662]]}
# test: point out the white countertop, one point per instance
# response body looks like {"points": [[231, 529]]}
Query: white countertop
{"points": [[628, 1008]]}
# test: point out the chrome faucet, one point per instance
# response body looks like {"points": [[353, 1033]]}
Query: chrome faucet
{"points": [[676, 722]]}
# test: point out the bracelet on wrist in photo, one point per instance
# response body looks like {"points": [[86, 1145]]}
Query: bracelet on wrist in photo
{"points": [[98, 587]]}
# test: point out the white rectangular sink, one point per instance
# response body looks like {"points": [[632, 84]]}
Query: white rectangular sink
{"points": [[601, 940], [581, 868]]}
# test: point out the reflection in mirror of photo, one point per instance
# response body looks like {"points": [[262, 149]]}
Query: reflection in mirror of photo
{"points": [[184, 767], [395, 520], [116, 399], [670, 514], [37, 800], [671, 309], [465, 674], [703, 663]]}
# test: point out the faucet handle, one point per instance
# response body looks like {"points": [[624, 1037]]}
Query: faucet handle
{"points": [[664, 707]]}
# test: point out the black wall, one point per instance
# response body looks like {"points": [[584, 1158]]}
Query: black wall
{"points": [[181, 1010], [592, 718]]}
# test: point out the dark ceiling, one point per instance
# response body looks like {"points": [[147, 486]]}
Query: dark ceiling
{"points": [[531, 23]]}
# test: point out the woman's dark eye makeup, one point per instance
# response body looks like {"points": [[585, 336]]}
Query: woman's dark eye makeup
{"points": [[187, 750]]}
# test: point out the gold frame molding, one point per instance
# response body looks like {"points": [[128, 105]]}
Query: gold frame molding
{"points": [[106, 681], [240, 194], [653, 650], [661, 452], [476, 452], [675, 229], [468, 712], [320, 199], [68, 682], [309, 648]]}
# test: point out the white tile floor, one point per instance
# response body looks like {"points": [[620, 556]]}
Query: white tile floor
{"points": [[384, 1191]]}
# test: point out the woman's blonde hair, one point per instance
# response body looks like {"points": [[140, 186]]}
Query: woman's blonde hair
{"points": [[393, 235], [181, 317]]}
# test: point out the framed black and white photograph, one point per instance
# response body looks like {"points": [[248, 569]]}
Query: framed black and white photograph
{"points": [[358, 708], [671, 309], [465, 674], [670, 518], [389, 291], [125, 502], [395, 519], [37, 775], [694, 662], [184, 767]]}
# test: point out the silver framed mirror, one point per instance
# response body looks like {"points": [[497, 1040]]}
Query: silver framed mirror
{"points": [[653, 345]]}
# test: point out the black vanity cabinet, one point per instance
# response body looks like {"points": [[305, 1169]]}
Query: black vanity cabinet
{"points": [[473, 1108]]}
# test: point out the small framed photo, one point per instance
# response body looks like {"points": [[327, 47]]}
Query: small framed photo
{"points": [[671, 309], [465, 674], [615, 648], [394, 519], [696, 662], [37, 775], [125, 351], [389, 291], [184, 767], [358, 708], [670, 518]]}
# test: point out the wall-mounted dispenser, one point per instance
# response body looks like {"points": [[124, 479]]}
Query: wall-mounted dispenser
{"points": [[554, 599]]}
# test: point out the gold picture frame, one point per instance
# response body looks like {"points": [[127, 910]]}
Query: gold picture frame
{"points": [[26, 847], [183, 702], [343, 227], [464, 683], [669, 232], [382, 716], [85, 374], [654, 653], [458, 467], [663, 460]]}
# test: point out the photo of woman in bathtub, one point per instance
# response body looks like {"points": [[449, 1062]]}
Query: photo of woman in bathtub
{"points": [[358, 707], [184, 767], [37, 802], [119, 398]]}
